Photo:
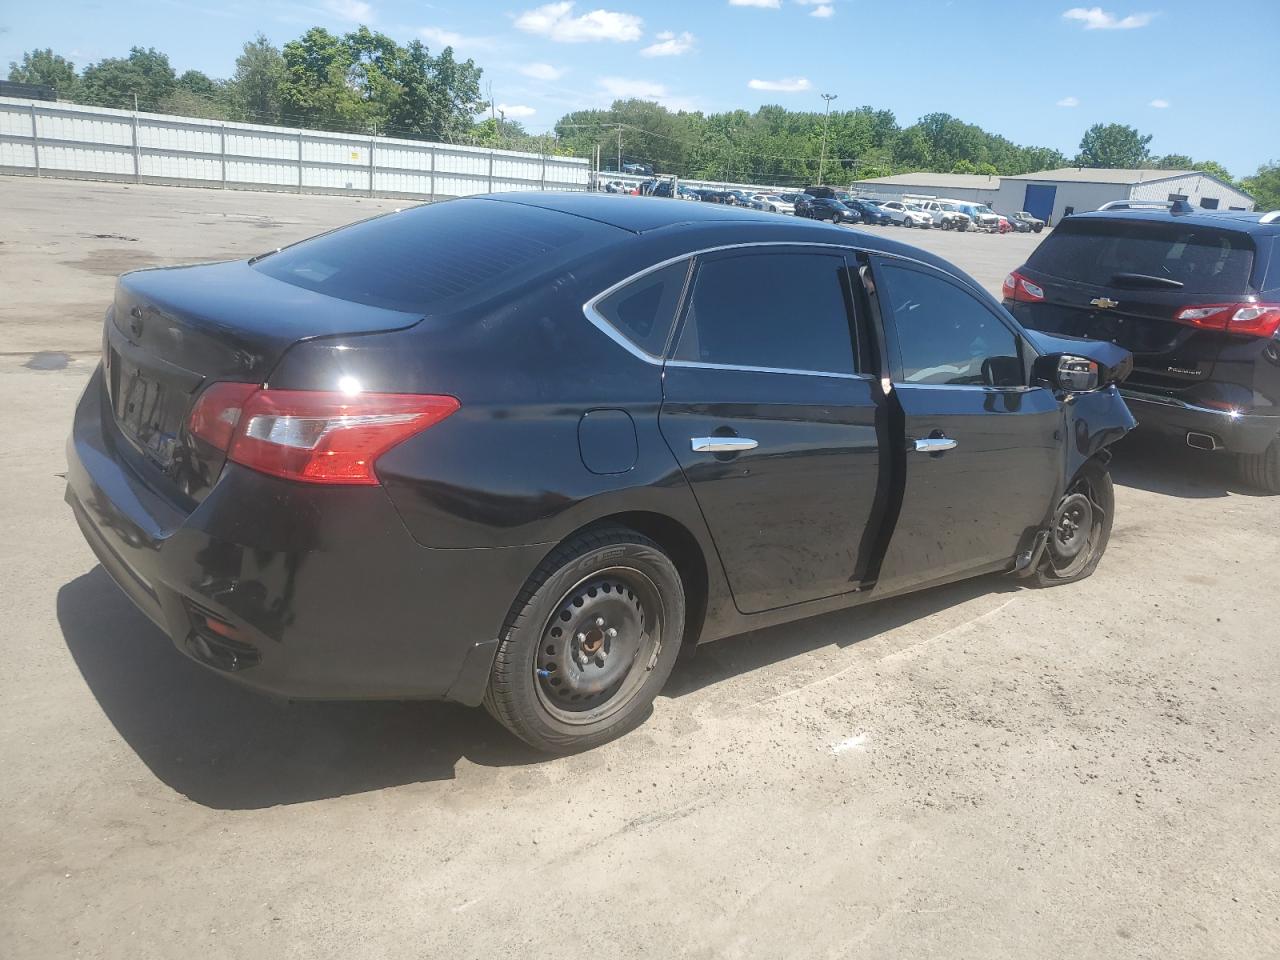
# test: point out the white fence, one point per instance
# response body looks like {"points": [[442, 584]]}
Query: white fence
{"points": [[40, 138]]}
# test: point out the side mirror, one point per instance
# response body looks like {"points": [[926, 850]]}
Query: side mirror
{"points": [[1067, 372]]}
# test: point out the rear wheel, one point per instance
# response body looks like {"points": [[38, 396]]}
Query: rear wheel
{"points": [[1262, 470], [589, 643], [1080, 528]]}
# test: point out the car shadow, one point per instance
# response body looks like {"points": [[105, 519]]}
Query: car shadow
{"points": [[1157, 465], [231, 748], [731, 656]]}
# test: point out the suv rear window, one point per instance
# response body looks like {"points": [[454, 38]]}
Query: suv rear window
{"points": [[434, 257], [1202, 259]]}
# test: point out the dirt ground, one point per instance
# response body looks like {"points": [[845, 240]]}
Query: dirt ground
{"points": [[979, 771]]}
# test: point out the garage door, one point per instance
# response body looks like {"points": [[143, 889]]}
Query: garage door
{"points": [[1039, 200]]}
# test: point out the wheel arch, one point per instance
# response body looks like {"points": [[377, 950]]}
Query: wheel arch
{"points": [[680, 544]]}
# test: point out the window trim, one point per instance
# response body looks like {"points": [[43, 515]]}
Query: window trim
{"points": [[895, 346], [731, 252], [851, 253]]}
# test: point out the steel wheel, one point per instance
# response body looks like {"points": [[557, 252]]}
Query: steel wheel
{"points": [[599, 645], [1080, 528]]}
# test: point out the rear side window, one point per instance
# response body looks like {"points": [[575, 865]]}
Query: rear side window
{"points": [[946, 336], [644, 310], [437, 256], [774, 310], [1203, 259]]}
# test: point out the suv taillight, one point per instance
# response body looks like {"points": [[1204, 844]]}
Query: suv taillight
{"points": [[1250, 319], [1017, 287], [311, 435]]}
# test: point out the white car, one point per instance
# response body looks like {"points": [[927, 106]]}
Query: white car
{"points": [[945, 214], [772, 203], [906, 214]]}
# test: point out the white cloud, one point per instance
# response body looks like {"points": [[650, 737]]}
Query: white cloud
{"points": [[1095, 18], [355, 11], [785, 85], [1069, 102], [556, 21], [1160, 104], [669, 45], [450, 38], [768, 4], [542, 71], [624, 88], [823, 10], [516, 110]]}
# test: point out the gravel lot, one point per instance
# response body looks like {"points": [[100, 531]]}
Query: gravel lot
{"points": [[977, 771]]}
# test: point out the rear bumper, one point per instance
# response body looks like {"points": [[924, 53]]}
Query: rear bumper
{"points": [[1234, 433], [323, 591]]}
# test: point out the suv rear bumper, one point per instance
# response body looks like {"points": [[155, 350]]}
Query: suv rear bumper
{"points": [[306, 592], [1233, 432]]}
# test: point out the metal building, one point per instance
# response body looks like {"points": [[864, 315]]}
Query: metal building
{"points": [[1054, 194]]}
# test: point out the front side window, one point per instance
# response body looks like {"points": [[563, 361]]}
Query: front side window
{"points": [[773, 310], [644, 310], [946, 336]]}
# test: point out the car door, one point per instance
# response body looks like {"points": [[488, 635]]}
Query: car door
{"points": [[983, 449], [774, 425]]}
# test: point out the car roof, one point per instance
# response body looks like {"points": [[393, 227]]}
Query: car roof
{"points": [[682, 228], [1241, 220]]}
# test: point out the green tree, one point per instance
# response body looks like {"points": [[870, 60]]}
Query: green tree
{"points": [[437, 96], [1173, 161], [1113, 145], [1264, 186], [255, 90], [49, 69], [1215, 169], [115, 81]]}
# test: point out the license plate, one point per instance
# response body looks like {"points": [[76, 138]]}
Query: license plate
{"points": [[143, 410]]}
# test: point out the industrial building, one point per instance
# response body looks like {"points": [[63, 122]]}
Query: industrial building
{"points": [[1054, 194]]}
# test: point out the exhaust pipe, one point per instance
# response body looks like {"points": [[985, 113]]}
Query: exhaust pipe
{"points": [[1202, 441]]}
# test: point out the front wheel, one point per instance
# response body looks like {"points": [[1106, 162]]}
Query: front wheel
{"points": [[589, 642], [1080, 528], [1262, 470]]}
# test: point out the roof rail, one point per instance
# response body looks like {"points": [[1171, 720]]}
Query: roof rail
{"points": [[1271, 217], [1173, 206]]}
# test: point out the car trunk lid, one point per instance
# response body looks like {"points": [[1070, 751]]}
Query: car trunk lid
{"points": [[173, 331]]}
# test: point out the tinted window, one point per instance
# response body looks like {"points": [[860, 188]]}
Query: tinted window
{"points": [[1203, 259], [780, 310], [946, 335], [644, 309], [434, 256]]}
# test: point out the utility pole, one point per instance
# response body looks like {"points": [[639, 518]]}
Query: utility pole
{"points": [[825, 121], [619, 148], [502, 122]]}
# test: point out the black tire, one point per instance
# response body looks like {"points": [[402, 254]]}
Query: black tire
{"points": [[1262, 470], [1037, 229], [1067, 559], [906, 222], [554, 646]]}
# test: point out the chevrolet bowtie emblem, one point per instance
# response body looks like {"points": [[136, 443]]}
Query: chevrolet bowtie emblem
{"points": [[1104, 303]]}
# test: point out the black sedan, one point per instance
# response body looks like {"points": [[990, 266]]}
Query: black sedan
{"points": [[869, 212], [825, 208], [524, 449]]}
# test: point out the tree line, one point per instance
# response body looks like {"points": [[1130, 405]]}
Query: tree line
{"points": [[364, 81]]}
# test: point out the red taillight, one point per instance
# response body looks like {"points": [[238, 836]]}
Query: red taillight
{"points": [[215, 415], [312, 436], [1250, 319], [1017, 287]]}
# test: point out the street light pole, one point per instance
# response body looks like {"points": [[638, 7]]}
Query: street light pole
{"points": [[825, 121]]}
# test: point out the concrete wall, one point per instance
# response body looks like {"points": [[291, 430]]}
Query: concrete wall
{"points": [[94, 143]]}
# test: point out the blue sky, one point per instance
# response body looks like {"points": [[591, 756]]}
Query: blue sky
{"points": [[1198, 75]]}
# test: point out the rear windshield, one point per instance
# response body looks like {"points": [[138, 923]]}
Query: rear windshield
{"points": [[1202, 259], [435, 257]]}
